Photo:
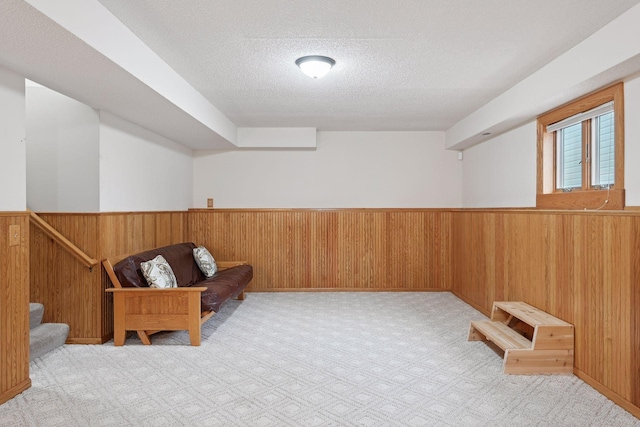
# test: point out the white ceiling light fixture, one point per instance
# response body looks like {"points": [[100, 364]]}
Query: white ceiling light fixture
{"points": [[315, 66]]}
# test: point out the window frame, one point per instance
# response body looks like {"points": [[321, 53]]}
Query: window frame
{"points": [[586, 197]]}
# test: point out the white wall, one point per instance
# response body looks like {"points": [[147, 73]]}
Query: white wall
{"points": [[13, 188], [62, 153], [140, 170], [82, 160], [501, 172], [347, 170], [106, 36], [632, 141]]}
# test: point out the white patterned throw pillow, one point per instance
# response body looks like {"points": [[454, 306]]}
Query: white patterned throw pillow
{"points": [[158, 273], [205, 261]]}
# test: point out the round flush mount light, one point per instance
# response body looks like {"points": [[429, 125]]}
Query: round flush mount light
{"points": [[315, 66]]}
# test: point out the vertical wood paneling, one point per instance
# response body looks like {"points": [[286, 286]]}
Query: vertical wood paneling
{"points": [[131, 232], [14, 307], [357, 249], [73, 294], [580, 267], [634, 302], [70, 292]]}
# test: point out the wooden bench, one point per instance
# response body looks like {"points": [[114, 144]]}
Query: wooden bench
{"points": [[534, 342]]}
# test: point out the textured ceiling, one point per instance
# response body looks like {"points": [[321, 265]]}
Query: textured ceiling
{"points": [[401, 64]]}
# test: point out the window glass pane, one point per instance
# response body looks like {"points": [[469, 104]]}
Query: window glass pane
{"points": [[603, 151], [569, 157]]}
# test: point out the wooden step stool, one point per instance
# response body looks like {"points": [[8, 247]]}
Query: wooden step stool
{"points": [[534, 342]]}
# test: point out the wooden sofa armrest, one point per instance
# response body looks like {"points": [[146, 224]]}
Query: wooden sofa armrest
{"points": [[223, 265], [108, 267]]}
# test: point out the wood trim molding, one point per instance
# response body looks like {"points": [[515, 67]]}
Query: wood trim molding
{"points": [[348, 290], [466, 300], [85, 341], [613, 396], [14, 391], [14, 214], [589, 200], [85, 214], [628, 210], [261, 210]]}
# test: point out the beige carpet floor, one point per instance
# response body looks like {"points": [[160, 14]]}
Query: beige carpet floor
{"points": [[307, 359]]}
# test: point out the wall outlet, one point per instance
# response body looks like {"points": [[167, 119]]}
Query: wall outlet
{"points": [[209, 203]]}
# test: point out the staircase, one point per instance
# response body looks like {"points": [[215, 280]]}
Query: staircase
{"points": [[44, 337]]}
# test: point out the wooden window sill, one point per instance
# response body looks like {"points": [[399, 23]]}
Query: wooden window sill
{"points": [[594, 199]]}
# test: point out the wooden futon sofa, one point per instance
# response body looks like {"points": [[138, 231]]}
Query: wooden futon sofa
{"points": [[137, 307]]}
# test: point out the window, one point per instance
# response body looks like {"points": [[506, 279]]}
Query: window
{"points": [[580, 153], [603, 152], [569, 157]]}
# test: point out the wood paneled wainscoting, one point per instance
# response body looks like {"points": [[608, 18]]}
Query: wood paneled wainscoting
{"points": [[344, 249], [14, 304], [583, 267], [74, 294]]}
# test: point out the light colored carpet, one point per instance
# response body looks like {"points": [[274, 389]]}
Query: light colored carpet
{"points": [[307, 359]]}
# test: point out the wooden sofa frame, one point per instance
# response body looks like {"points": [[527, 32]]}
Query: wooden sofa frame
{"points": [[151, 310]]}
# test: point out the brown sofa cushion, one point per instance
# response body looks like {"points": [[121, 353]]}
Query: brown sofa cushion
{"points": [[224, 285], [221, 287], [179, 257]]}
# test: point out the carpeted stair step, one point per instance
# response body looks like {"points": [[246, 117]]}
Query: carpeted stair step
{"points": [[36, 311], [46, 337]]}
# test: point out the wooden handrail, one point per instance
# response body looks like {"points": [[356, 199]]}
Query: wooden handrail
{"points": [[78, 253]]}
